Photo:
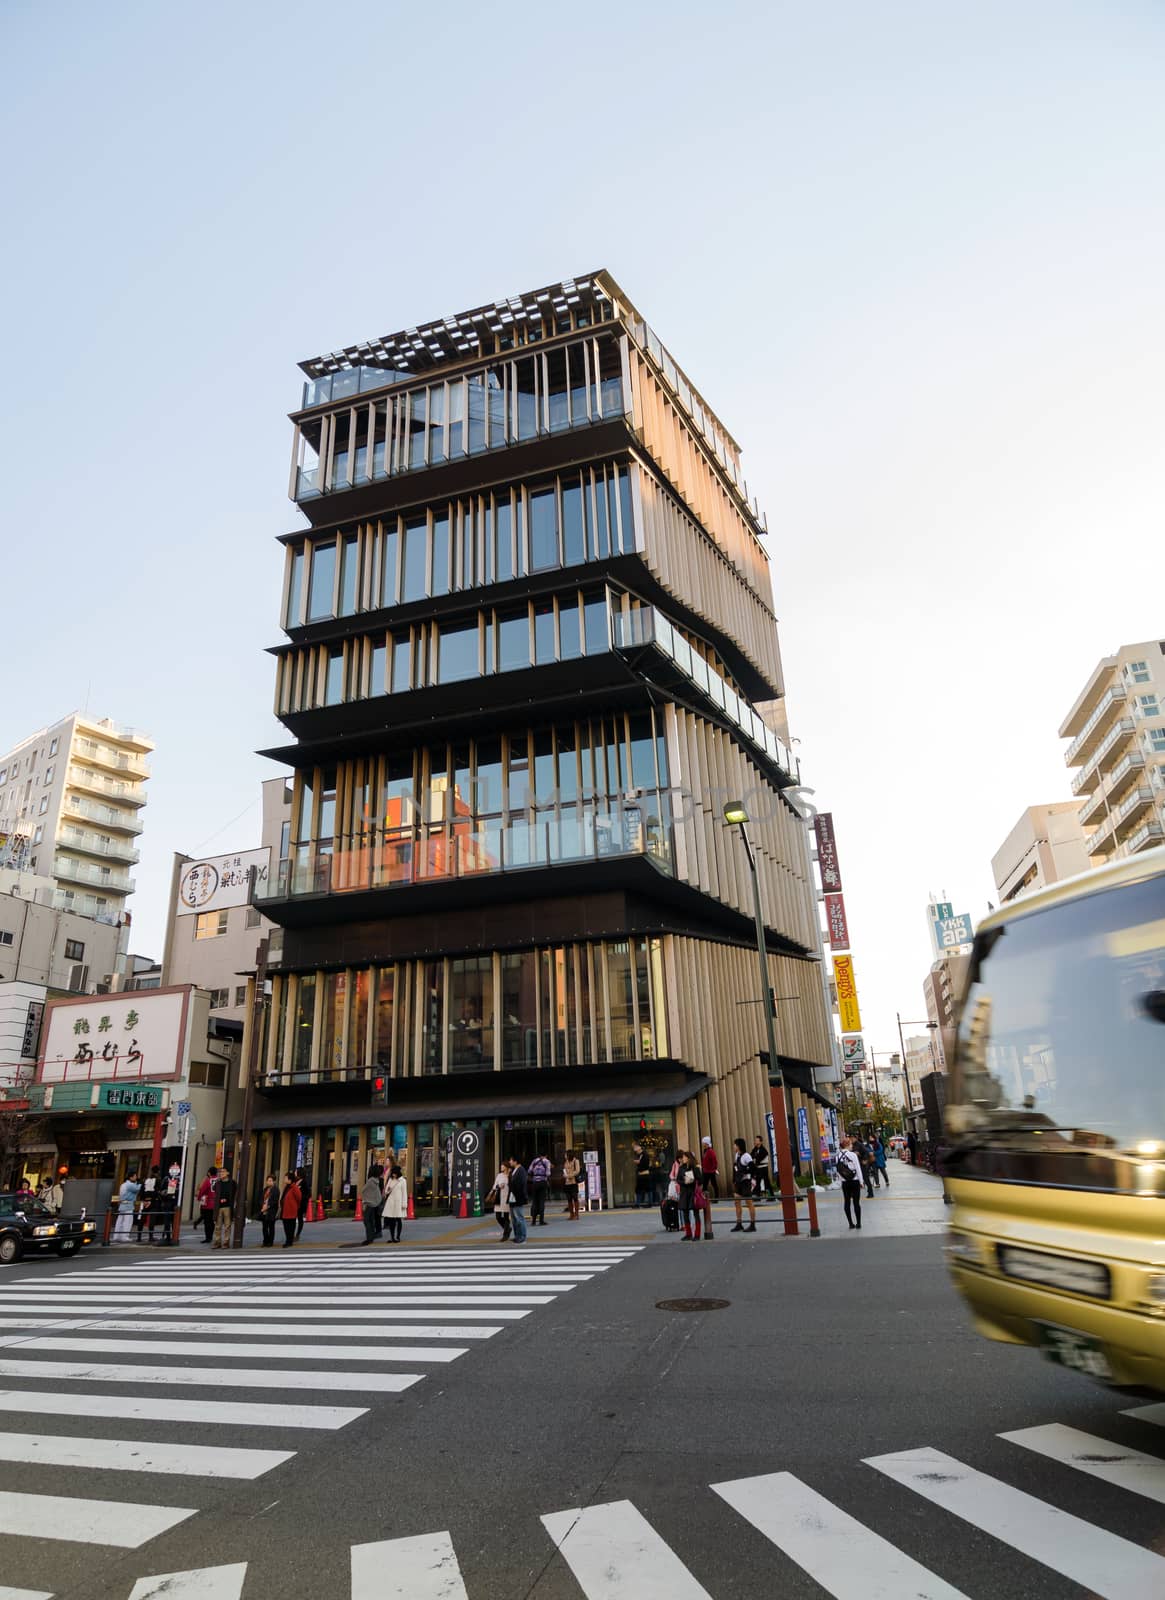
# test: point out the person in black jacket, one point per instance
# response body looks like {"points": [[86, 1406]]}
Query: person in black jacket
{"points": [[269, 1209], [519, 1199], [224, 1210]]}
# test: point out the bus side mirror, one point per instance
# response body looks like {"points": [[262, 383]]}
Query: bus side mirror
{"points": [[1153, 1003]]}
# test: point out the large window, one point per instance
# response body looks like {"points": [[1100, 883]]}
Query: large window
{"points": [[210, 924], [457, 647], [519, 1009], [321, 596], [471, 1046]]}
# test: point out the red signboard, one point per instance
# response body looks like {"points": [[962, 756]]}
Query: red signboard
{"points": [[827, 853], [835, 922]]}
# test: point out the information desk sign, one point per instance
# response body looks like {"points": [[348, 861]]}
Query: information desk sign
{"points": [[466, 1172]]}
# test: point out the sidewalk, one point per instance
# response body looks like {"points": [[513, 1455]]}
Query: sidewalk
{"points": [[912, 1204]]}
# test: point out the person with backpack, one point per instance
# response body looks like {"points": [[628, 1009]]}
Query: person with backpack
{"points": [[760, 1168], [289, 1208], [849, 1170], [224, 1209], [269, 1209], [539, 1174], [742, 1187]]}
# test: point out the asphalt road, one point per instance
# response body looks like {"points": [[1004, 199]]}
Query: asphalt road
{"points": [[826, 1354]]}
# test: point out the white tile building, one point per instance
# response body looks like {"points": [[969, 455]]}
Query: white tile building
{"points": [[1117, 731]]}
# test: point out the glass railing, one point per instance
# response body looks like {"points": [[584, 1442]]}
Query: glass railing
{"points": [[107, 756], [353, 380], [404, 857], [81, 905], [114, 849], [648, 627], [127, 821], [84, 778], [1151, 833], [79, 872]]}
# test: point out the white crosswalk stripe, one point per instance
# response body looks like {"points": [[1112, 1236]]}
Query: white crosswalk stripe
{"points": [[1127, 1469], [422, 1568], [200, 1583], [614, 1552], [1110, 1566], [331, 1322], [23, 1594], [1153, 1413]]}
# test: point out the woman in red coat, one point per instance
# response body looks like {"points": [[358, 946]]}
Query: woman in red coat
{"points": [[289, 1208]]}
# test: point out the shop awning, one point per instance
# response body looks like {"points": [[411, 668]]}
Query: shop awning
{"points": [[469, 1109]]}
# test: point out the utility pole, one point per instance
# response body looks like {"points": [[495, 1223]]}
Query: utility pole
{"points": [[242, 1176]]}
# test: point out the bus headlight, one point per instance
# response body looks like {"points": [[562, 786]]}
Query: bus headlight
{"points": [[962, 1247]]}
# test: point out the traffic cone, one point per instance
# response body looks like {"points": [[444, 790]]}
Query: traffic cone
{"points": [[359, 1209], [321, 1214], [463, 1212], [410, 1214]]}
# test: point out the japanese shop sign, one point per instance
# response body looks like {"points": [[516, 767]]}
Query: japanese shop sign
{"points": [[835, 922], [827, 853], [124, 1097], [853, 1054], [137, 1035], [218, 882], [847, 994]]}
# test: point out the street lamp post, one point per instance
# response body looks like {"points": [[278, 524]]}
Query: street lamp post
{"points": [[737, 817]]}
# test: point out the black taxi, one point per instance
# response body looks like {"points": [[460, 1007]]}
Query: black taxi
{"points": [[27, 1226]]}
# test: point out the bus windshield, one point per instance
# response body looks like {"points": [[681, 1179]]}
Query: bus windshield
{"points": [[1061, 1046]]}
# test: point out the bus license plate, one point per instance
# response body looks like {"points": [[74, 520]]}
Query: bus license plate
{"points": [[1075, 1350]]}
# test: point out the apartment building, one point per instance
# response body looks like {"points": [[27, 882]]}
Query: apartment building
{"points": [[71, 799], [1047, 843], [942, 990], [1117, 731], [530, 653]]}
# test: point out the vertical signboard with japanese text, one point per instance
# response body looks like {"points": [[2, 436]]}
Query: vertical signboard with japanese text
{"points": [[847, 994], [827, 853], [835, 922]]}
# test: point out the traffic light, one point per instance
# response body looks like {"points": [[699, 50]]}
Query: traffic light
{"points": [[380, 1089]]}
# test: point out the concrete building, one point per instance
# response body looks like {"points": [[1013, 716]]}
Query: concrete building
{"points": [[61, 949], [212, 933], [920, 1062], [1117, 731], [1047, 843], [529, 628], [942, 990], [71, 797]]}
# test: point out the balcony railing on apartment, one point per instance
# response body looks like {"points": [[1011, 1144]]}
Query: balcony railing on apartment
{"points": [[1101, 842], [1109, 699], [104, 816], [647, 627], [81, 872], [1128, 764], [83, 905], [393, 859], [1114, 739], [1152, 833], [96, 783], [92, 845], [1093, 807], [105, 755], [1132, 807]]}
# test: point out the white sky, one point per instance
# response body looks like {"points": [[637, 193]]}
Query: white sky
{"points": [[912, 254]]}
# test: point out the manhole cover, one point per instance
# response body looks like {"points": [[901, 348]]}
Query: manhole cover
{"points": [[691, 1305]]}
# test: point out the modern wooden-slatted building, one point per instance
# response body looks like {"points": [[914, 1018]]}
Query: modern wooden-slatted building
{"points": [[530, 653]]}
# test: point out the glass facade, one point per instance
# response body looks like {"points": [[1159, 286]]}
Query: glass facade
{"points": [[554, 1006]]}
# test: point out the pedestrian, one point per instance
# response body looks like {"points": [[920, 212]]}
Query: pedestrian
{"points": [[742, 1187], [912, 1147], [206, 1203], [127, 1197], [881, 1175], [519, 1198], [289, 1208], [269, 1209], [167, 1203], [499, 1198], [224, 1209], [643, 1187], [849, 1170], [539, 1175], [371, 1200], [150, 1204], [396, 1203], [691, 1193], [571, 1175], [709, 1169], [760, 1168], [304, 1196], [865, 1154]]}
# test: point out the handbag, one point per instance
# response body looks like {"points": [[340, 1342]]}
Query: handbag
{"points": [[698, 1199], [673, 1189]]}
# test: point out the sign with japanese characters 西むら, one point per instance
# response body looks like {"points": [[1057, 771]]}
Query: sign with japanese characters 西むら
{"points": [[220, 882], [137, 1035]]}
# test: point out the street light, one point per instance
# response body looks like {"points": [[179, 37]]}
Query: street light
{"points": [[736, 816]]}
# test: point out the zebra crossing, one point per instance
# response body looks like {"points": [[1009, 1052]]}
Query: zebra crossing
{"points": [[112, 1350], [612, 1549]]}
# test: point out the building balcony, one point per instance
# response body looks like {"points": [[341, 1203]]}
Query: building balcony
{"points": [[121, 731], [69, 871], [81, 905], [1112, 747], [107, 756], [1132, 809], [1094, 807], [1145, 837], [96, 783], [1102, 843], [104, 816], [1096, 725], [1127, 770], [91, 844], [647, 630]]}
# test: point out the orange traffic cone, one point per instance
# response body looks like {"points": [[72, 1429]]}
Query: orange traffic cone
{"points": [[359, 1209], [410, 1214], [321, 1214], [464, 1210]]}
